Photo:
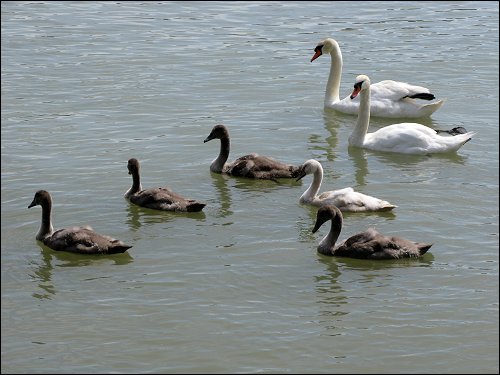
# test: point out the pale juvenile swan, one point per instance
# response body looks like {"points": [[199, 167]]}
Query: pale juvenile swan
{"points": [[390, 98], [366, 245], [345, 199], [160, 198], [406, 137], [81, 240], [251, 166]]}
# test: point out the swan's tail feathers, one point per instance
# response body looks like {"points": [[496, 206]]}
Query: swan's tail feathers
{"points": [[455, 131], [195, 206], [387, 207], [118, 248], [423, 96], [423, 247], [429, 109], [466, 137], [471, 134]]}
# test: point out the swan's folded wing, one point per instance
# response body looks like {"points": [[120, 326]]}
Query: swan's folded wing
{"points": [[79, 240], [395, 90], [261, 167], [349, 200], [160, 199]]}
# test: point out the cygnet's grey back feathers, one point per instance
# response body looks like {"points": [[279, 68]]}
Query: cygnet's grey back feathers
{"points": [[251, 165], [160, 198], [84, 241], [369, 244], [75, 239]]}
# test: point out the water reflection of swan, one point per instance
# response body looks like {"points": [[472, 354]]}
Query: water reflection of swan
{"points": [[43, 273], [332, 300], [220, 182], [316, 142], [405, 160], [329, 291], [360, 162], [424, 165], [363, 265], [264, 185], [51, 258], [136, 214]]}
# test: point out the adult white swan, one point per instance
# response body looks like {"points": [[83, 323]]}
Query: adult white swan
{"points": [[345, 199], [406, 137], [389, 98]]}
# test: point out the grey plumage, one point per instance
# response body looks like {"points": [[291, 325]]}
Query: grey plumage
{"points": [[251, 165], [81, 240], [365, 245], [160, 198]]}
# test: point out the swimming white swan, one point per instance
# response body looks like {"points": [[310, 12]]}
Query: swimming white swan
{"points": [[365, 245], [345, 199], [160, 198], [389, 98], [406, 137], [81, 240], [251, 165]]}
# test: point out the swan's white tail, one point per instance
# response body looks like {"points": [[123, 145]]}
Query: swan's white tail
{"points": [[463, 138], [429, 109]]}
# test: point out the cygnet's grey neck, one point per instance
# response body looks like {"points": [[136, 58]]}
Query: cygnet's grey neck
{"points": [[218, 164], [136, 184], [46, 228], [327, 244]]}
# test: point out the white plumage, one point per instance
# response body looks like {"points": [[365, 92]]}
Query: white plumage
{"points": [[345, 199], [406, 137], [389, 98]]}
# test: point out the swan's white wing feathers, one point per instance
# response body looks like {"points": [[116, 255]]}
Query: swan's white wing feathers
{"points": [[335, 194], [413, 138], [349, 200], [381, 106], [395, 90]]}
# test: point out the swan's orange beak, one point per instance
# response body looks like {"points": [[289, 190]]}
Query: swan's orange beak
{"points": [[356, 91], [316, 55]]}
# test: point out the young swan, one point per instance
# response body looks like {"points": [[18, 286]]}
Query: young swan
{"points": [[406, 137], [366, 245], [390, 98], [251, 165], [81, 240], [345, 199], [160, 198]]}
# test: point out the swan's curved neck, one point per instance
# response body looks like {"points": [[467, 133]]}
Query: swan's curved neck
{"points": [[326, 246], [136, 184], [218, 164], [46, 228], [357, 138], [332, 93], [313, 189]]}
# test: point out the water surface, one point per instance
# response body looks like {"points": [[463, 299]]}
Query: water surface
{"points": [[239, 287]]}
